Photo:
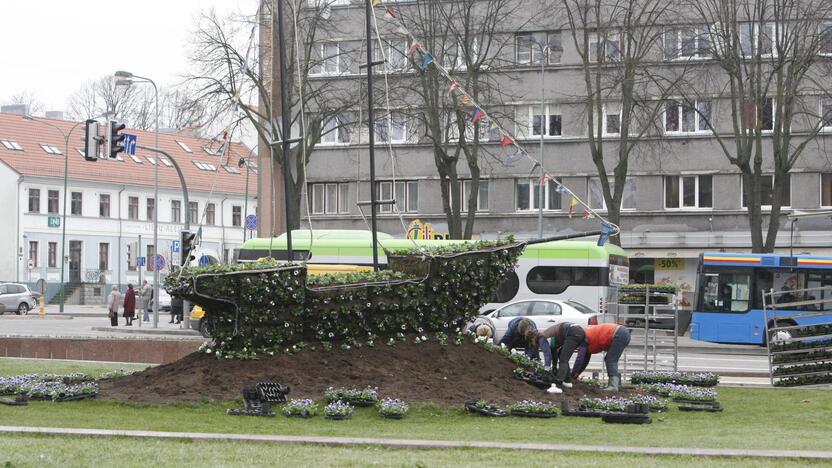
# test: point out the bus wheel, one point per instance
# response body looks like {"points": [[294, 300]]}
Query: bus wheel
{"points": [[782, 336]]}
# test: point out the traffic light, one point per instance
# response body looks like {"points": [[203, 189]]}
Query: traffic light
{"points": [[187, 244], [115, 142], [91, 140]]}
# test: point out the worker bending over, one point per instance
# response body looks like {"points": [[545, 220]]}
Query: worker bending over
{"points": [[559, 341], [609, 337], [517, 336]]}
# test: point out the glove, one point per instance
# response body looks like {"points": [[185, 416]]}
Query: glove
{"points": [[547, 368], [514, 351]]}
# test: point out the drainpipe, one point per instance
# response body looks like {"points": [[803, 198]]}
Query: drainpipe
{"points": [[120, 259], [222, 224], [17, 252]]}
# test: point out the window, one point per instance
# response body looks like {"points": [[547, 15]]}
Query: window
{"points": [[34, 200], [454, 54], [151, 160], [193, 211], [606, 46], [52, 202], [75, 203], [612, 122], [210, 214], [52, 255], [329, 198], [136, 159], [184, 146], [555, 280], [335, 131], [686, 43], [325, 58], [482, 195], [688, 191], [406, 196], [166, 162], [752, 44], [754, 117], [826, 190], [133, 208], [528, 194], [33, 253], [205, 166], [51, 149], [551, 121], [596, 194], [151, 253], [236, 216], [151, 209], [393, 51], [131, 257], [725, 292], [231, 169], [175, 211], [767, 191], [684, 118], [528, 47], [826, 114], [103, 256], [390, 127], [212, 151], [825, 32], [12, 145], [104, 205]]}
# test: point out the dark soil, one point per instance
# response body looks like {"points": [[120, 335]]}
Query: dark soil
{"points": [[445, 375]]}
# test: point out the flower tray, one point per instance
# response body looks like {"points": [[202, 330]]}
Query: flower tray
{"points": [[695, 402], [82, 396], [19, 400], [586, 413], [245, 412], [715, 407], [361, 403], [525, 414], [392, 416], [626, 418], [533, 379], [488, 410], [299, 415], [337, 417]]}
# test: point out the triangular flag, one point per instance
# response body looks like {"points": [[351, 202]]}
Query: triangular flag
{"points": [[560, 189], [493, 127], [454, 85], [389, 13], [464, 100], [426, 61], [572, 207], [477, 115], [506, 141], [544, 178], [588, 214], [413, 47]]}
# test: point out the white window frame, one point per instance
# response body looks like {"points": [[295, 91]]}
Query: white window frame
{"points": [[534, 190], [454, 60], [410, 189], [595, 39], [385, 124], [825, 28], [184, 147], [605, 131], [523, 42], [231, 169], [11, 145], [699, 32], [392, 48], [826, 120], [820, 201], [766, 207], [50, 149], [698, 122], [482, 202], [324, 66], [525, 121], [166, 162], [318, 193], [757, 27], [681, 194], [334, 131], [135, 159], [603, 205]]}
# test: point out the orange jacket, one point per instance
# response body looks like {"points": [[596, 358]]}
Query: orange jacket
{"points": [[599, 337]]}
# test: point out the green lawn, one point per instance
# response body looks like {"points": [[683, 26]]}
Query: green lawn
{"points": [[39, 451], [801, 418]]}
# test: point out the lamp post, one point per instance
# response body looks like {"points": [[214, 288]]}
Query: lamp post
{"points": [[541, 187], [245, 162], [66, 178], [125, 78]]}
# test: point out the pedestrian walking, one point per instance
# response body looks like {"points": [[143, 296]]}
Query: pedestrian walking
{"points": [[129, 305], [147, 300], [113, 303]]}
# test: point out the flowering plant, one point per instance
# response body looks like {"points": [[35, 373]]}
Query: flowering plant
{"points": [[338, 410], [699, 379], [528, 406], [682, 392], [115, 374], [359, 397], [300, 408], [604, 404], [393, 408]]}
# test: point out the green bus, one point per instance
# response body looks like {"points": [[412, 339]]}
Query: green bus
{"points": [[574, 270]]}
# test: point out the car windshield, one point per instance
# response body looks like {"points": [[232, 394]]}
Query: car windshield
{"points": [[582, 308]]}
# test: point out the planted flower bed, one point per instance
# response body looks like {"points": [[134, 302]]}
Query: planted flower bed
{"points": [[356, 397], [621, 404], [392, 408], [115, 374], [338, 410], [533, 409], [804, 369], [300, 408], [685, 394], [55, 387], [698, 379], [484, 408], [804, 380]]}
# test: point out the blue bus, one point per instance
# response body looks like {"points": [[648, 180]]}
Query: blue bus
{"points": [[729, 303]]}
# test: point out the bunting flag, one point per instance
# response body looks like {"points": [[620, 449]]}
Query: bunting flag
{"points": [[414, 46], [464, 100], [454, 85], [426, 61], [560, 189], [588, 214], [389, 13], [506, 141], [477, 115], [376, 2], [572, 207], [493, 127]]}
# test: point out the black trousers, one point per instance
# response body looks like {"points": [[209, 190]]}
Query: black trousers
{"points": [[114, 320], [575, 337]]}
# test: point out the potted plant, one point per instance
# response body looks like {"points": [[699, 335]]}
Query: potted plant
{"points": [[484, 408], [392, 408], [338, 410], [533, 409], [297, 408], [684, 394], [356, 397]]}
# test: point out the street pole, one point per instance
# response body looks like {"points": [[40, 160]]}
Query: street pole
{"points": [[543, 122], [284, 129], [368, 11]]}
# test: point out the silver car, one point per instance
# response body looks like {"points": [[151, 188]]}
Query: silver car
{"points": [[16, 298]]}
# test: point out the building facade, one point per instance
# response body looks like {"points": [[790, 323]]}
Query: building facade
{"points": [[682, 196], [110, 205]]}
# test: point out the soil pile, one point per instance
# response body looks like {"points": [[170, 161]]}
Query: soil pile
{"points": [[445, 375]]}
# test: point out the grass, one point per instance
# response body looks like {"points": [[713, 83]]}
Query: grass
{"points": [[788, 419], [39, 451], [12, 366]]}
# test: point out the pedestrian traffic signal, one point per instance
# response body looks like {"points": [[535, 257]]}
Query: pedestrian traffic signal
{"points": [[187, 244], [115, 142], [91, 140]]}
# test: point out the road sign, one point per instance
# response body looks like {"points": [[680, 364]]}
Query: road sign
{"points": [[140, 261], [204, 260], [54, 221], [129, 143], [174, 245], [251, 222], [158, 262]]}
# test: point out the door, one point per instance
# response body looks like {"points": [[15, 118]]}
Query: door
{"points": [[503, 316], [75, 261], [544, 314], [5, 299]]}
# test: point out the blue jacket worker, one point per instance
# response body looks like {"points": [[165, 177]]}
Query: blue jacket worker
{"points": [[517, 336], [561, 341]]}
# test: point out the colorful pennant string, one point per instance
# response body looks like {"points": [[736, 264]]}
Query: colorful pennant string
{"points": [[477, 115], [427, 61]]}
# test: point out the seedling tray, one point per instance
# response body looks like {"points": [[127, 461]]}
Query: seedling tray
{"points": [[17, 401], [626, 418], [525, 414], [489, 410], [337, 417], [245, 412]]}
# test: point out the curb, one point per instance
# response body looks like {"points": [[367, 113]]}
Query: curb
{"points": [[423, 444], [149, 331]]}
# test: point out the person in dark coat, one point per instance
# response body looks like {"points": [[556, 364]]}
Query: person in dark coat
{"points": [[129, 305], [519, 329], [176, 309]]}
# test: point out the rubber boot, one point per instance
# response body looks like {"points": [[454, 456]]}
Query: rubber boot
{"points": [[613, 385]]}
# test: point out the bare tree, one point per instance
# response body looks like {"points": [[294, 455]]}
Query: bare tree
{"points": [[617, 41], [102, 96], [773, 73], [235, 83], [466, 39], [28, 99]]}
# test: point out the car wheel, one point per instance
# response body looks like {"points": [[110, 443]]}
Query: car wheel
{"points": [[23, 309]]}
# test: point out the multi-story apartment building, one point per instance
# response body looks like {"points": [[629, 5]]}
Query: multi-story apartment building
{"points": [[110, 204], [682, 196]]}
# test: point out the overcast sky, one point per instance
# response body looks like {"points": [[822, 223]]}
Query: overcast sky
{"points": [[51, 47]]}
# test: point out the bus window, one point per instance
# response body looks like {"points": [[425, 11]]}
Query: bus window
{"points": [[508, 288], [764, 282], [549, 280], [725, 292], [587, 277]]}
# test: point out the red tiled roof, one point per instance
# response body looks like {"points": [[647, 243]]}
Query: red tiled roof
{"points": [[33, 160]]}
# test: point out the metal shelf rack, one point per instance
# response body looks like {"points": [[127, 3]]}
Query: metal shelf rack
{"points": [[650, 349]]}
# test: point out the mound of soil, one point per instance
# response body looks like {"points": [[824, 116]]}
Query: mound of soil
{"points": [[445, 375]]}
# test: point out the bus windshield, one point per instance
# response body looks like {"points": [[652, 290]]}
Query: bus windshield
{"points": [[725, 291]]}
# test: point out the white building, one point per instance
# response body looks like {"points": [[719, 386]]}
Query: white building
{"points": [[110, 205]]}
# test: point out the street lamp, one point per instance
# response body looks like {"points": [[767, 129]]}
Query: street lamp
{"points": [[542, 125], [247, 163], [125, 78], [66, 174]]}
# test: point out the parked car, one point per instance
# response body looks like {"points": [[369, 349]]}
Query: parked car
{"points": [[543, 312], [164, 300], [17, 298]]}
